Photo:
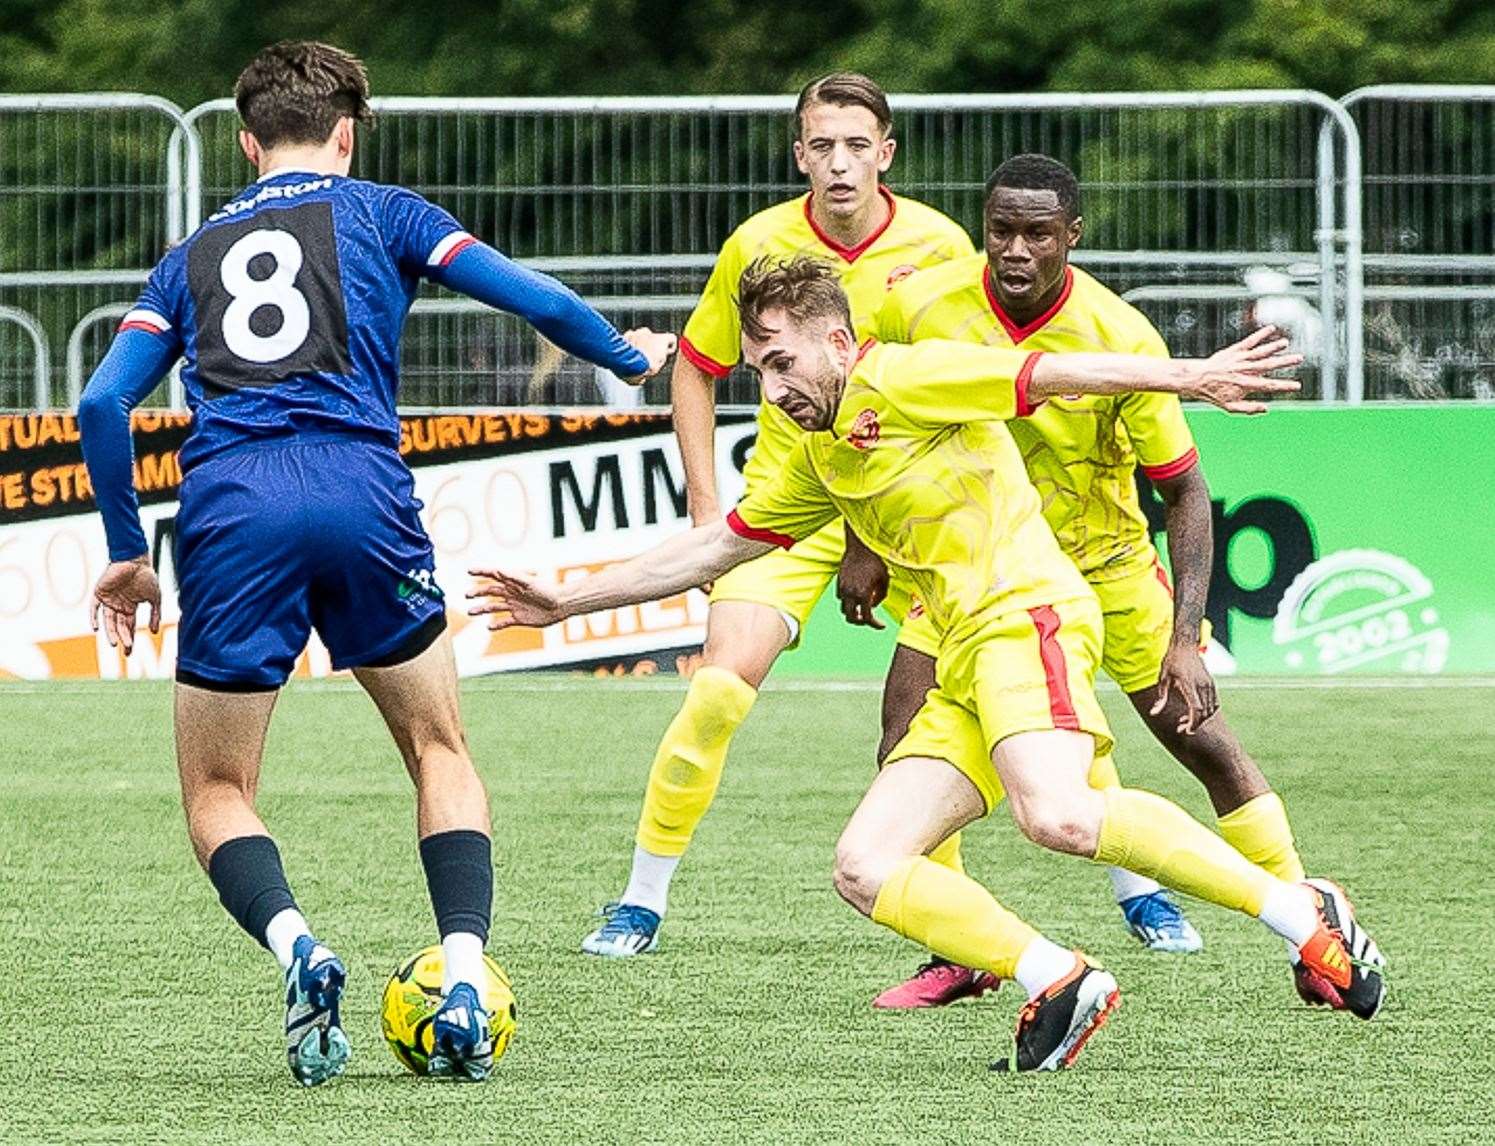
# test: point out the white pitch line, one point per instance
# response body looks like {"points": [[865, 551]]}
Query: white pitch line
{"points": [[506, 683], [546, 683]]}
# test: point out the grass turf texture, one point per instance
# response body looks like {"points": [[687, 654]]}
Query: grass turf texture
{"points": [[136, 1012]]}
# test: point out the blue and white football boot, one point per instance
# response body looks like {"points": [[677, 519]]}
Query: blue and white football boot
{"points": [[1160, 925], [316, 1047], [628, 930], [461, 1037]]}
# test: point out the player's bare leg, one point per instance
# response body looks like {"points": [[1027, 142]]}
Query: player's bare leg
{"points": [[1046, 777], [418, 700], [1212, 753], [883, 870], [743, 640], [910, 677], [220, 739], [937, 982], [1249, 814]]}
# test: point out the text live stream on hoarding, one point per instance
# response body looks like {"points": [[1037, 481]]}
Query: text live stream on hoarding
{"points": [[1347, 540]]}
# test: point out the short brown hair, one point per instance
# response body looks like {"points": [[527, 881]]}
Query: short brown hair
{"points": [[803, 287], [844, 89], [296, 91]]}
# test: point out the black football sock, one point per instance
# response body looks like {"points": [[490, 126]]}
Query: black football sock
{"points": [[251, 882], [459, 875]]}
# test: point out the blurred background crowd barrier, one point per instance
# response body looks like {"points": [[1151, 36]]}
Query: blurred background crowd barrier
{"points": [[1364, 226]]}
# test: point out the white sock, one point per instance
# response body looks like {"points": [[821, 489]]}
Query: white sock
{"points": [[1041, 965], [281, 934], [1128, 884], [462, 961], [649, 882], [1291, 912]]}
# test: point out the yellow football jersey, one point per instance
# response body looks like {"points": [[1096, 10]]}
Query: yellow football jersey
{"points": [[921, 465], [1081, 452], [914, 236]]}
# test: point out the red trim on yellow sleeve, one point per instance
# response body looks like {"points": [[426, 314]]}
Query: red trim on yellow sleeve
{"points": [[704, 361], [743, 529], [1025, 376], [1179, 465]]}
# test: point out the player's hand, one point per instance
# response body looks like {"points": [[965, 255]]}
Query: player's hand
{"points": [[861, 583], [512, 600], [1184, 676], [1228, 376], [656, 347], [123, 587]]}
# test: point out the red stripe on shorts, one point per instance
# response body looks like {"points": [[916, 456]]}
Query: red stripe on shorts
{"points": [[1055, 671], [1157, 567]]}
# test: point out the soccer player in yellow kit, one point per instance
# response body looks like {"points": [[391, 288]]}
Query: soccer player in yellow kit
{"points": [[1081, 452], [909, 443], [872, 238]]}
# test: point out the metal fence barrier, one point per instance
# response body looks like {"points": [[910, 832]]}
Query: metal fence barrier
{"points": [[1249, 200], [14, 391], [634, 196], [92, 192], [1429, 203]]}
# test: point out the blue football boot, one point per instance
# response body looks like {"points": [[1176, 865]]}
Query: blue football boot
{"points": [[316, 1047], [1159, 924], [628, 930], [461, 1037]]}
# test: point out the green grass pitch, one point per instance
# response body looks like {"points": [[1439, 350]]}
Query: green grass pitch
{"points": [[135, 1011]]}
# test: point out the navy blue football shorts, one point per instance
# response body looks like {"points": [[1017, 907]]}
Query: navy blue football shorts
{"points": [[274, 539]]}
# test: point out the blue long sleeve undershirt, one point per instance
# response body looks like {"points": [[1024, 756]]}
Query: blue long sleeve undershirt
{"points": [[135, 364], [551, 307], [137, 361]]}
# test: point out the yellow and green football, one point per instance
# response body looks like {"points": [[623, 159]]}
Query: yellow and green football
{"points": [[413, 995]]}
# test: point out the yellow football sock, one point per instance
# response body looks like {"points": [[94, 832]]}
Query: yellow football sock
{"points": [[947, 854], [1153, 837], [1259, 830], [688, 765], [953, 916], [1103, 773]]}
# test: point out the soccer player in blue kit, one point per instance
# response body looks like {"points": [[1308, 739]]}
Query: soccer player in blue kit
{"points": [[297, 512]]}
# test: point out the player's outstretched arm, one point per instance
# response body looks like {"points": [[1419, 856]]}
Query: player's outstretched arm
{"points": [[1227, 378], [135, 364], [556, 311], [678, 564]]}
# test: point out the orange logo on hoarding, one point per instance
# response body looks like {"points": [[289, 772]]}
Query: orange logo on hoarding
{"points": [[865, 430]]}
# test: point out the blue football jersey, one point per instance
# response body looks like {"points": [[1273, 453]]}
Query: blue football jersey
{"points": [[287, 305]]}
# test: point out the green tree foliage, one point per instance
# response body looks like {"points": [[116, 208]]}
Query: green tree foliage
{"points": [[190, 50]]}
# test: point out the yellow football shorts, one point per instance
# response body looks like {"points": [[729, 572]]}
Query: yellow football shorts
{"points": [[918, 631], [1030, 670], [1138, 609], [791, 581]]}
